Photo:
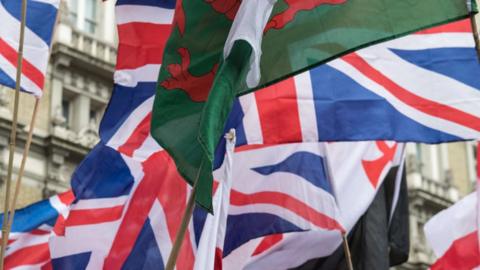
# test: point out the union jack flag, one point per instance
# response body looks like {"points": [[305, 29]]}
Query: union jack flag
{"points": [[41, 18], [422, 87], [31, 228]]}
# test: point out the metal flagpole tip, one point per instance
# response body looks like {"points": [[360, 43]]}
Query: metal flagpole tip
{"points": [[230, 135]]}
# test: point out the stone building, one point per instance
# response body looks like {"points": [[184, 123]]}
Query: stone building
{"points": [[78, 86]]}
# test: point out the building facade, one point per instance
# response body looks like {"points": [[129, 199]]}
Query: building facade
{"points": [[78, 87]]}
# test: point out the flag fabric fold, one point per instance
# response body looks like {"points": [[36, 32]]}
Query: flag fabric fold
{"points": [[198, 82], [40, 23]]}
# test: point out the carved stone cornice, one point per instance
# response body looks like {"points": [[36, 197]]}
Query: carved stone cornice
{"points": [[71, 57]]}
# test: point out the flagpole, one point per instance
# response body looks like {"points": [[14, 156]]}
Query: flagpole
{"points": [[346, 248], [187, 216], [475, 34], [13, 134], [26, 152]]}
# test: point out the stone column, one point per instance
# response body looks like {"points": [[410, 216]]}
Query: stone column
{"points": [[56, 97], [81, 113], [3, 165], [4, 102]]}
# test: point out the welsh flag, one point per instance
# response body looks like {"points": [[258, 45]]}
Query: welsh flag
{"points": [[220, 49]]}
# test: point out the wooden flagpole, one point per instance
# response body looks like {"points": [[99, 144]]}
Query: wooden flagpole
{"points": [[26, 151], [346, 248], [187, 216], [475, 34], [13, 134]]}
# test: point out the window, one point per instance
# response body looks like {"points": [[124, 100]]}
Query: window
{"points": [[475, 149], [475, 155], [72, 11], [94, 116], [90, 16], [419, 152], [66, 112]]}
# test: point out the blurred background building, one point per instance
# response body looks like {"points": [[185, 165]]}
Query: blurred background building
{"points": [[78, 86]]}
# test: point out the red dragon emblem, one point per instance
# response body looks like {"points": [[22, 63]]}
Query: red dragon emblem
{"points": [[197, 87], [179, 19], [374, 168], [230, 7], [227, 7], [280, 20]]}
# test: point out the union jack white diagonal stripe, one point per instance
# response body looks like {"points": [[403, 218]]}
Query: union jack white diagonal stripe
{"points": [[32, 226], [41, 18]]}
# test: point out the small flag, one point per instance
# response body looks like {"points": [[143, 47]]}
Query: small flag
{"points": [[40, 24]]}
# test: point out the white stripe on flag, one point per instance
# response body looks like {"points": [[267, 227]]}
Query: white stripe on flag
{"points": [[148, 147], [61, 208], [251, 119], [418, 116], [131, 77], [306, 107], [424, 83], [148, 14], [11, 71], [160, 230], [460, 221], [26, 240], [54, 3], [36, 50], [95, 238], [130, 124], [279, 211], [100, 203], [295, 249], [429, 41]]}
